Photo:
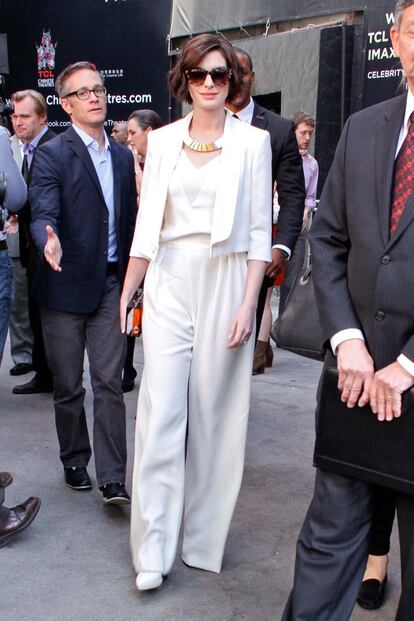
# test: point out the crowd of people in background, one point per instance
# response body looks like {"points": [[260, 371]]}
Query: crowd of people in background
{"points": [[204, 214]]}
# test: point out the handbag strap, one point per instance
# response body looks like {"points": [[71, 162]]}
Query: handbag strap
{"points": [[307, 261], [306, 275]]}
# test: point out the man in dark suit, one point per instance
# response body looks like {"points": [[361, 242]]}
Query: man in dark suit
{"points": [[21, 336], [287, 172], [84, 205], [362, 245], [29, 120]]}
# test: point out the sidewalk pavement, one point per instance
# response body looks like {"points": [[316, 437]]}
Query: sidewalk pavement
{"points": [[73, 563]]}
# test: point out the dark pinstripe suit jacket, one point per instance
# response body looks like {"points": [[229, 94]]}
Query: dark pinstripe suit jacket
{"points": [[364, 279]]}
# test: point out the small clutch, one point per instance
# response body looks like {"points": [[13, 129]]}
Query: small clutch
{"points": [[134, 314]]}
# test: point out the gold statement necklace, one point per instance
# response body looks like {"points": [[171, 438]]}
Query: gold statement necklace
{"points": [[203, 147]]}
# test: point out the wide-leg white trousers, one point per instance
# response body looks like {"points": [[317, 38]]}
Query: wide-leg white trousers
{"points": [[191, 383]]}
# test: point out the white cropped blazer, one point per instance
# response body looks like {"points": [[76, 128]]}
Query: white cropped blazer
{"points": [[242, 213]]}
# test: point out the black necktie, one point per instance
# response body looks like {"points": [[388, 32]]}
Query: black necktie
{"points": [[25, 168]]}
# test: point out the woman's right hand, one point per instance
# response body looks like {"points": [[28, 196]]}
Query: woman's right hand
{"points": [[241, 326]]}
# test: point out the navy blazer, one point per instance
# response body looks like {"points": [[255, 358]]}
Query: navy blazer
{"points": [[66, 194]]}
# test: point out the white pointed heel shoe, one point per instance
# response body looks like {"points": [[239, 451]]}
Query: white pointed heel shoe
{"points": [[147, 580]]}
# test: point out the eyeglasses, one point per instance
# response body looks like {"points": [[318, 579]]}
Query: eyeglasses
{"points": [[220, 75], [84, 93]]}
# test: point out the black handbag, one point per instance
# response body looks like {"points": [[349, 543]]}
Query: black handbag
{"points": [[298, 328]]}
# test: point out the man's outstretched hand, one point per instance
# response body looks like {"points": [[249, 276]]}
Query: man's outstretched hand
{"points": [[53, 249]]}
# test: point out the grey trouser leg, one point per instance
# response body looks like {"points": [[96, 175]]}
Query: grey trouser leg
{"points": [[4, 511], [21, 338], [66, 337], [332, 550]]}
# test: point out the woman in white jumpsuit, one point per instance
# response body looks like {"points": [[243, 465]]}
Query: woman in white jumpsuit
{"points": [[203, 237]]}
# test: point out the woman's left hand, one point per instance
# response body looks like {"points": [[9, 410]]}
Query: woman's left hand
{"points": [[242, 326]]}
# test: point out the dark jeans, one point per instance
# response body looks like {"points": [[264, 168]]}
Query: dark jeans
{"points": [[67, 335]]}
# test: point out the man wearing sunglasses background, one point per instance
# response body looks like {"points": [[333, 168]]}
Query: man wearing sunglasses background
{"points": [[83, 215], [287, 172]]}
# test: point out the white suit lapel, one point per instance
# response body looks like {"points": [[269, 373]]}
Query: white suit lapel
{"points": [[172, 153], [227, 182]]}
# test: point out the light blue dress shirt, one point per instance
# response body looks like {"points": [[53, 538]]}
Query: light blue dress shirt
{"points": [[29, 147], [102, 162]]}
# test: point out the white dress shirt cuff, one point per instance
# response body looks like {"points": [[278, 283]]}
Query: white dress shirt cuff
{"points": [[406, 364], [345, 335], [285, 249]]}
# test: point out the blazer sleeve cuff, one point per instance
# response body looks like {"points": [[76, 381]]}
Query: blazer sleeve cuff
{"points": [[284, 248], [345, 335], [406, 364]]}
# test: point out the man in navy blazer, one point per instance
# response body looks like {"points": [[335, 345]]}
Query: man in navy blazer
{"points": [[84, 205]]}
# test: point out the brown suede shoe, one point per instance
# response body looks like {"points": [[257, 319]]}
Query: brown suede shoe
{"points": [[5, 479], [19, 518], [259, 360], [269, 355]]}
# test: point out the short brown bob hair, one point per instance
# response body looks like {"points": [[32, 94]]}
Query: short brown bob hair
{"points": [[192, 54]]}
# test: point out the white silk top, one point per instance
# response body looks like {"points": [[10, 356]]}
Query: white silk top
{"points": [[190, 199]]}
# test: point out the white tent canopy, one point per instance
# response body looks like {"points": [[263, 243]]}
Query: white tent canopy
{"points": [[194, 16]]}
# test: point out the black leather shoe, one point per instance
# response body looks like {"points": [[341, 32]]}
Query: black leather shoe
{"points": [[19, 518], [115, 494], [128, 381], [77, 477], [372, 593], [21, 368], [33, 387], [5, 479]]}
